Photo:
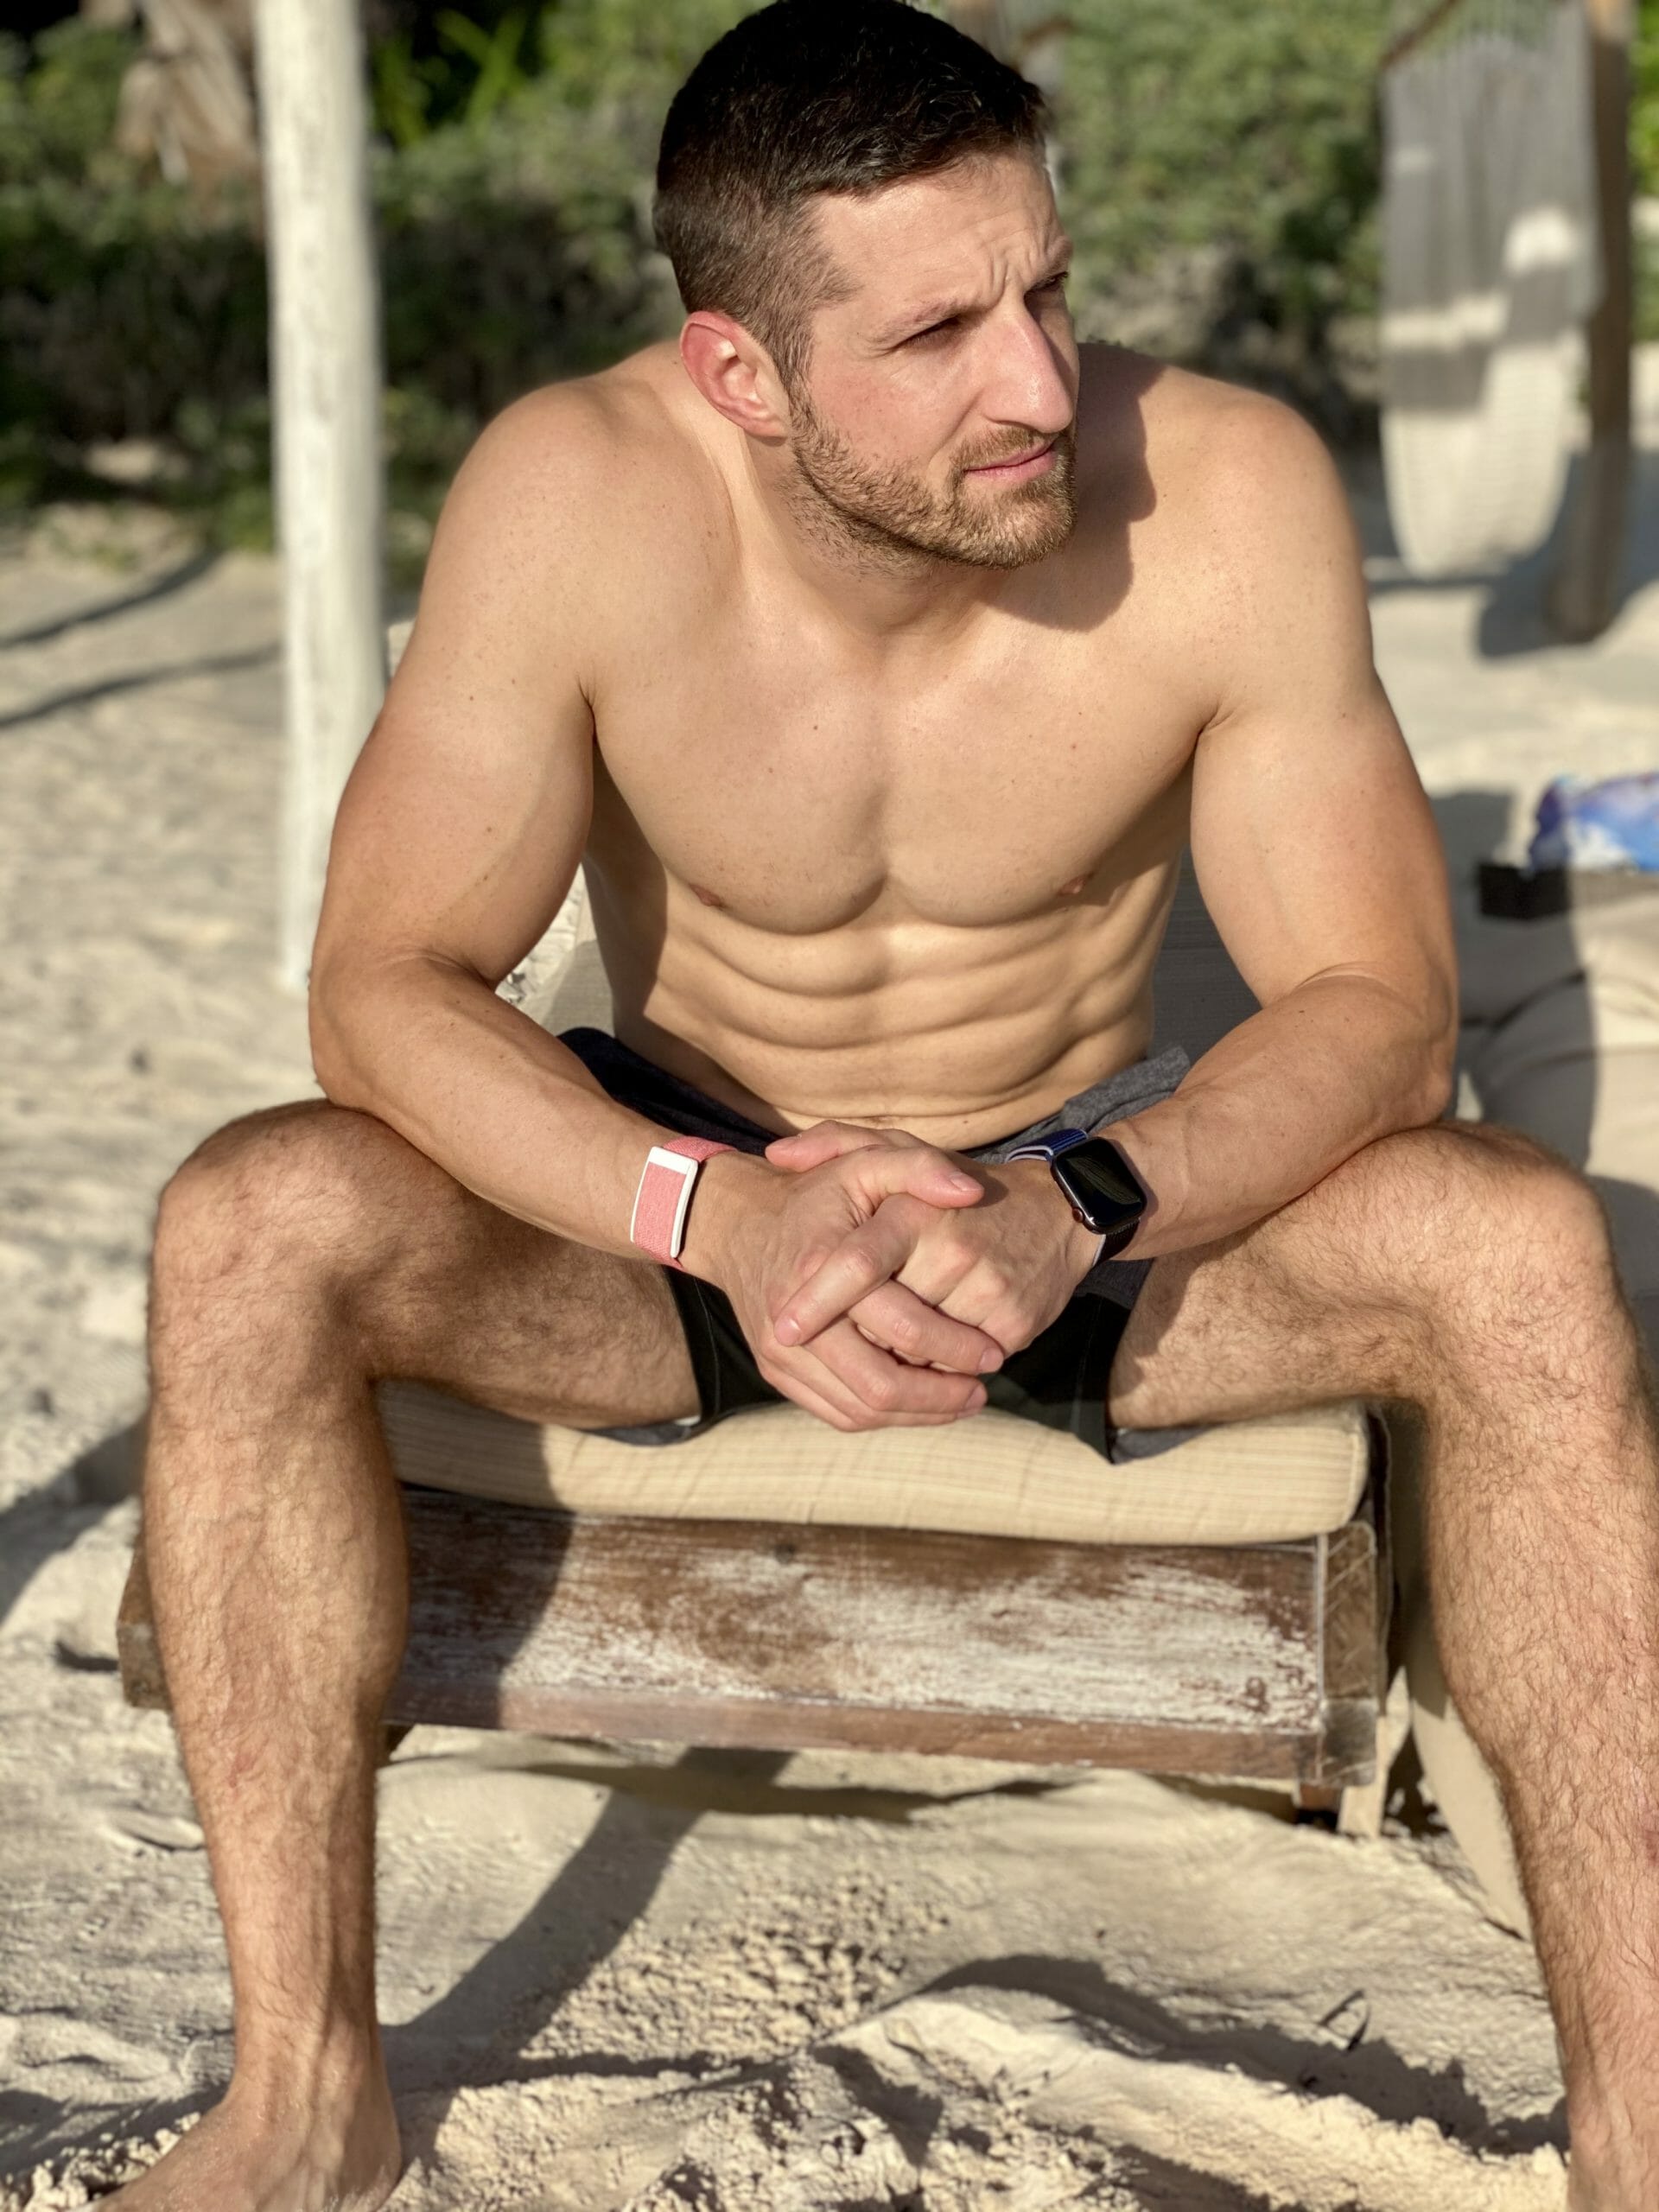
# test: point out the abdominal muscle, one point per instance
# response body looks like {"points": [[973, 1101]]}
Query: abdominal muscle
{"points": [[958, 1035]]}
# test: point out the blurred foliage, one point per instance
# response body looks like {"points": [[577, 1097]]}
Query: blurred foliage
{"points": [[127, 308], [1644, 162], [1645, 116], [57, 99], [1220, 177], [1218, 170], [513, 208]]}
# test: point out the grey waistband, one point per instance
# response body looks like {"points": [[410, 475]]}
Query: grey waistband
{"points": [[1131, 1091]]}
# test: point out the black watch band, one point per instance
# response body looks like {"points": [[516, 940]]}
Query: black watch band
{"points": [[1102, 1190]]}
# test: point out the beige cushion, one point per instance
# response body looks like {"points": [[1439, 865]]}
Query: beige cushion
{"points": [[1251, 1482]]}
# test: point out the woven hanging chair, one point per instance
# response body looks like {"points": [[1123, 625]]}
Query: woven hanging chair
{"points": [[1490, 267]]}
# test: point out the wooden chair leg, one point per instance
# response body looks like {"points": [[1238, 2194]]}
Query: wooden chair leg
{"points": [[1315, 1802]]}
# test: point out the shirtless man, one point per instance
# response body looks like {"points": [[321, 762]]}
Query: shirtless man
{"points": [[879, 653]]}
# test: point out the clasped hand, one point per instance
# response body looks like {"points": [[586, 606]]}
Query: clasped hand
{"points": [[896, 1273]]}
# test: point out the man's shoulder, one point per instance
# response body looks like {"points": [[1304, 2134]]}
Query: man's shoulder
{"points": [[594, 441], [623, 403], [1213, 453]]}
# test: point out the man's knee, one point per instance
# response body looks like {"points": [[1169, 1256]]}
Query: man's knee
{"points": [[302, 1198], [1474, 1227]]}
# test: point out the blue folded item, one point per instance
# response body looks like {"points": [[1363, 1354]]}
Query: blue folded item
{"points": [[1611, 824]]}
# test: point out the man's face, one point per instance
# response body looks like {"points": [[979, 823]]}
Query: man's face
{"points": [[936, 415]]}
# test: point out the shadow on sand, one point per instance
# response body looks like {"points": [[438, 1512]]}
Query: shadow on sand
{"points": [[105, 610]]}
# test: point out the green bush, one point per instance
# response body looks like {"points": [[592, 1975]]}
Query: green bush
{"points": [[57, 100], [513, 242], [128, 308], [1220, 171], [1644, 161]]}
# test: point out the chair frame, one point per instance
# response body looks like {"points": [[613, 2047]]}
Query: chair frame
{"points": [[1261, 1661]]}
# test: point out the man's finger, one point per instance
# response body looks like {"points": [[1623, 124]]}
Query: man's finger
{"points": [[911, 1329], [815, 1384], [896, 1396], [922, 1171], [876, 1250], [824, 1140]]}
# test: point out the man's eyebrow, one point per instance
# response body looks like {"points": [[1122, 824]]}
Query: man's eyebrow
{"points": [[942, 310]]}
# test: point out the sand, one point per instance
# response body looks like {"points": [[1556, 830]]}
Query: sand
{"points": [[619, 1977]]}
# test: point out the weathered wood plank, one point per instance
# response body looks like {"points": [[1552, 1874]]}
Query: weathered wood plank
{"points": [[889, 1620], [1168, 1659], [1355, 1603]]}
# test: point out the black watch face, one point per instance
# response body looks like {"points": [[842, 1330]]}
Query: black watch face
{"points": [[1101, 1185]]}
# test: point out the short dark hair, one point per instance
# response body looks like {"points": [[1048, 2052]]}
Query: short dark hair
{"points": [[809, 97]]}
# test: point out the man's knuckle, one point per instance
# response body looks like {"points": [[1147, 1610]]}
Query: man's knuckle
{"points": [[881, 1392], [904, 1331]]}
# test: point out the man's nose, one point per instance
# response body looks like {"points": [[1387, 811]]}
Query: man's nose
{"points": [[1029, 384]]}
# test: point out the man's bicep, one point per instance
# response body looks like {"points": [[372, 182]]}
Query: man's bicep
{"points": [[1314, 845], [456, 839], [1316, 850], [464, 820]]}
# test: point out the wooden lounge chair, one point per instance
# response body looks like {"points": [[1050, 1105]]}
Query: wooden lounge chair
{"points": [[992, 1589]]}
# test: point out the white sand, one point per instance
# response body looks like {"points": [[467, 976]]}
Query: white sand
{"points": [[651, 1981]]}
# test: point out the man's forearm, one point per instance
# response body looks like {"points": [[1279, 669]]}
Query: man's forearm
{"points": [[510, 1112], [1278, 1104]]}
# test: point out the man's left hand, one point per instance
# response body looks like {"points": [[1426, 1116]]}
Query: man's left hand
{"points": [[1008, 1265]]}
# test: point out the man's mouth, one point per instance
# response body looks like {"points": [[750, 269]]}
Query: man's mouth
{"points": [[1032, 462]]}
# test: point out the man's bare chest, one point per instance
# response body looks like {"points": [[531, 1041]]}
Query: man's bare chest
{"points": [[801, 792]]}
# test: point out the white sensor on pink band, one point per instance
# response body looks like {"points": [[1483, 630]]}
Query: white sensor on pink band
{"points": [[664, 1197]]}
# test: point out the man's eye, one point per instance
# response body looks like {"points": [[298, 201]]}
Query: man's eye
{"points": [[1054, 283], [934, 329]]}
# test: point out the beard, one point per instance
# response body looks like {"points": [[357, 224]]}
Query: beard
{"points": [[895, 516]]}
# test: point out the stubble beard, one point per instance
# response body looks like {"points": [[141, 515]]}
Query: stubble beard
{"points": [[893, 518]]}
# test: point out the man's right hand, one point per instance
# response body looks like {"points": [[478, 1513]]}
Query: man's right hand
{"points": [[759, 1232]]}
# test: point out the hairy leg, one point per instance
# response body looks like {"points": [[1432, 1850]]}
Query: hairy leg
{"points": [[301, 1255], [1467, 1273]]}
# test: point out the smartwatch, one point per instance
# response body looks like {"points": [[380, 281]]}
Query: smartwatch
{"points": [[1096, 1182]]}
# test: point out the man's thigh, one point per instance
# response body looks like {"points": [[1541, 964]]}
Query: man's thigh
{"points": [[334, 1209], [1333, 1296], [1212, 1339]]}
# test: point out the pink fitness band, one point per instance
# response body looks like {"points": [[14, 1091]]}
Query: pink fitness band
{"points": [[664, 1197]]}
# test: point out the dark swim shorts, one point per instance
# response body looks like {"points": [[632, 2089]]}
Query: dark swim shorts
{"points": [[1059, 1379]]}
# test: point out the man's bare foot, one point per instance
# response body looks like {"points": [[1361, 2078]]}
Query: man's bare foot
{"points": [[243, 2158]]}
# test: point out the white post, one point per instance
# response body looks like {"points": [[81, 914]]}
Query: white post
{"points": [[325, 361]]}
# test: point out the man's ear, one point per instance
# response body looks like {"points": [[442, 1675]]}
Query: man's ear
{"points": [[734, 373]]}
